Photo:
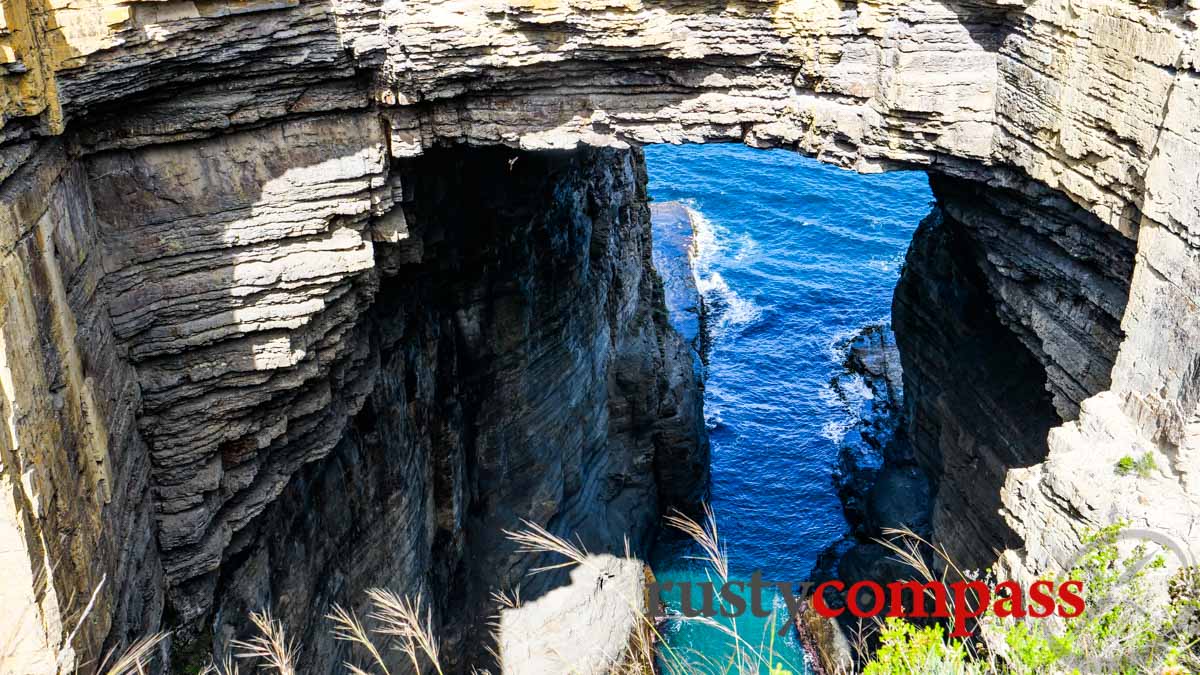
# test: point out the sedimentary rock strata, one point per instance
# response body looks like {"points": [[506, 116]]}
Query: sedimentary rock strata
{"points": [[207, 210], [519, 368]]}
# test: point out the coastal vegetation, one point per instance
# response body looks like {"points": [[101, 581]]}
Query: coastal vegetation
{"points": [[1143, 466], [1140, 618]]}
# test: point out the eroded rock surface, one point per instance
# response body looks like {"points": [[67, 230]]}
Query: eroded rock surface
{"points": [[519, 368], [203, 200], [594, 625]]}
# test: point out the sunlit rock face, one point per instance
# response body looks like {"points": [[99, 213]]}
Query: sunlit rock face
{"points": [[519, 368], [204, 205]]}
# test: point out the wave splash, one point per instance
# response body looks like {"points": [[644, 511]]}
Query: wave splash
{"points": [[713, 247]]}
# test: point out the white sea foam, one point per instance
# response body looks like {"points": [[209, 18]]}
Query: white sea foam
{"points": [[835, 430], [705, 248], [713, 406], [730, 309], [842, 409], [747, 247], [848, 403], [888, 265], [710, 249], [838, 344]]}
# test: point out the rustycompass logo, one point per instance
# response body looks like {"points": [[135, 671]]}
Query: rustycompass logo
{"points": [[957, 602], [1107, 573]]}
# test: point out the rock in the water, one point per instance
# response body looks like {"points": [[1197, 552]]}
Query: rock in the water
{"points": [[674, 251]]}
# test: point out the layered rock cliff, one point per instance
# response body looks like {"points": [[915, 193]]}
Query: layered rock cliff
{"points": [[343, 373], [1007, 318], [206, 222], [519, 367]]}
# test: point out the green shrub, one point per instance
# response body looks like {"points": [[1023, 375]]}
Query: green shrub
{"points": [[1143, 466], [909, 650], [1125, 465], [1135, 631]]}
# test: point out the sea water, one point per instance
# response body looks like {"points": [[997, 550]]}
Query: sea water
{"points": [[793, 258]]}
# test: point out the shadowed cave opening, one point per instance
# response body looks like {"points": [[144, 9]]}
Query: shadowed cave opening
{"points": [[521, 366]]}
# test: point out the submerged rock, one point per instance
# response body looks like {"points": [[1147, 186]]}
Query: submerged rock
{"points": [[674, 251]]}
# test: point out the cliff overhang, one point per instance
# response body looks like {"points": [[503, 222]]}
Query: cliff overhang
{"points": [[196, 193]]}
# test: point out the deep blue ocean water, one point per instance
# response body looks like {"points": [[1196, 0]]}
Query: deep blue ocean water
{"points": [[794, 258]]}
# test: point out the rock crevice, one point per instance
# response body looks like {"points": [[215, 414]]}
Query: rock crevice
{"points": [[203, 203]]}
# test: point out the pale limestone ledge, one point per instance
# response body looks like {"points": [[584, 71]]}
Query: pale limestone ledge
{"points": [[1090, 98], [1153, 406], [582, 626]]}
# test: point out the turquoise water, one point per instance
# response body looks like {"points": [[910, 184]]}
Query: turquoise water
{"points": [[795, 257]]}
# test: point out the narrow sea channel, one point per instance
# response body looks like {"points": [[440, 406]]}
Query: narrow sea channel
{"points": [[793, 258]]}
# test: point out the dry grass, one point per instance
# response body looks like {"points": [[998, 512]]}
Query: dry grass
{"points": [[397, 624], [270, 646], [135, 659], [536, 540], [348, 628], [400, 624], [226, 666], [705, 535], [747, 657], [400, 620]]}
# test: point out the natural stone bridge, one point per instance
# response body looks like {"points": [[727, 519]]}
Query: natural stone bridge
{"points": [[225, 225]]}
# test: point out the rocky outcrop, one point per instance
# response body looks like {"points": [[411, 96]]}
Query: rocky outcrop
{"points": [[876, 477], [965, 436], [518, 368], [674, 250], [1059, 278], [595, 625], [880, 483], [202, 200]]}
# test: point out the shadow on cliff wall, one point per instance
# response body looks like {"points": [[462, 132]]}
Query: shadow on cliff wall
{"points": [[236, 266], [976, 399], [507, 369]]}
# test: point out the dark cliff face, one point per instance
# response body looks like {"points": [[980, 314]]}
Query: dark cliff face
{"points": [[517, 365], [1007, 315], [975, 397]]}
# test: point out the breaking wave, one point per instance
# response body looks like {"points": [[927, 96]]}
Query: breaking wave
{"points": [[713, 247]]}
